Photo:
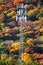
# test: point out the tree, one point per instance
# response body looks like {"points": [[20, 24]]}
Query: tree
{"points": [[40, 2], [18, 1]]}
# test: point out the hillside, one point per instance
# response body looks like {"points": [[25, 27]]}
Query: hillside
{"points": [[32, 33]]}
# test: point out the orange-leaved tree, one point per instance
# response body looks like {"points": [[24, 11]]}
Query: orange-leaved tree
{"points": [[18, 1]]}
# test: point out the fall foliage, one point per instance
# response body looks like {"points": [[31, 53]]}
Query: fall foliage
{"points": [[18, 1], [31, 52]]}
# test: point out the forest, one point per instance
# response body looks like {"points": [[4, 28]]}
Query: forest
{"points": [[32, 33]]}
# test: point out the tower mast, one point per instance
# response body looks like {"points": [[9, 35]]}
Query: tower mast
{"points": [[21, 16]]}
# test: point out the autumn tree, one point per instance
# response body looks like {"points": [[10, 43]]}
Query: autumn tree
{"points": [[18, 1]]}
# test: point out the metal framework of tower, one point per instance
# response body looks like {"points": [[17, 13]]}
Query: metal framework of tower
{"points": [[21, 16]]}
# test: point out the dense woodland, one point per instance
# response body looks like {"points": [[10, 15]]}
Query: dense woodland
{"points": [[32, 33]]}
